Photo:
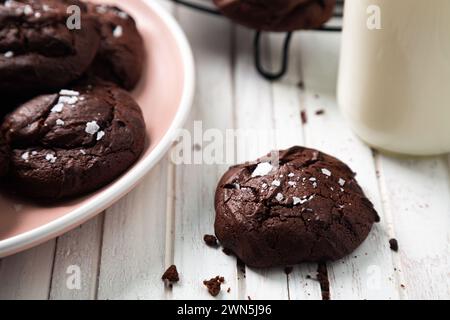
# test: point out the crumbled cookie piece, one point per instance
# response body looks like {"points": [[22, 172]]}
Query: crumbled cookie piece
{"points": [[213, 285], [171, 275]]}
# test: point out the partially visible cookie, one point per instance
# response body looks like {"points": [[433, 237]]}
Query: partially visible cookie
{"points": [[73, 142], [4, 156], [121, 55], [278, 15], [38, 51], [308, 209]]}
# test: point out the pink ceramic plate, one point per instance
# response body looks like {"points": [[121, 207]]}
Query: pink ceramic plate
{"points": [[165, 96]]}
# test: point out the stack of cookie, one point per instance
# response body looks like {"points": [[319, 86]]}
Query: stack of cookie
{"points": [[71, 128]]}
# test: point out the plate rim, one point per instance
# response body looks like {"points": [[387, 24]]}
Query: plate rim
{"points": [[116, 191]]}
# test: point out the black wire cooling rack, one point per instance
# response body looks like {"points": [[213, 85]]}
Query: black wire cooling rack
{"points": [[334, 25]]}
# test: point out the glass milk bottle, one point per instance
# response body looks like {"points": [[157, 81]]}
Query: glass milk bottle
{"points": [[394, 80]]}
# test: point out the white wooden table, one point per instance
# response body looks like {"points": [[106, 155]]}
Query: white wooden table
{"points": [[123, 252]]}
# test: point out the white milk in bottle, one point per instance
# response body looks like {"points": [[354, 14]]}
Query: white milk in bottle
{"points": [[394, 82]]}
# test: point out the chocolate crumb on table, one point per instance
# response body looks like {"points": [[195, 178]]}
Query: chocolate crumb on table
{"points": [[393, 243], [320, 112], [304, 117], [171, 274], [210, 240], [228, 290], [213, 285]]}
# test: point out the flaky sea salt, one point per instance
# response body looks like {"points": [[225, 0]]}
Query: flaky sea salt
{"points": [[60, 122], [70, 93], [118, 32], [262, 169], [25, 156], [100, 135], [276, 183], [28, 10], [92, 127], [68, 100], [8, 54], [341, 182], [297, 200], [326, 172], [51, 158], [58, 107], [279, 197], [83, 152], [312, 179], [291, 175], [122, 15]]}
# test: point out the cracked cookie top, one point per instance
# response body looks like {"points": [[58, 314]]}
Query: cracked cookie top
{"points": [[306, 208], [278, 15], [38, 51], [74, 141]]}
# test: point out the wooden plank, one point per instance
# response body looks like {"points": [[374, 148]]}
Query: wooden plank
{"points": [[210, 38], [27, 275], [254, 112], [416, 192], [133, 250], [77, 252], [369, 272]]}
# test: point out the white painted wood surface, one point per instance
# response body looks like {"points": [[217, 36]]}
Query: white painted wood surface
{"points": [[123, 253]]}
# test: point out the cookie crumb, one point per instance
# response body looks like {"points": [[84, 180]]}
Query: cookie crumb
{"points": [[228, 290], [320, 112], [304, 117], [213, 285], [301, 85], [171, 274], [393, 243], [210, 240]]}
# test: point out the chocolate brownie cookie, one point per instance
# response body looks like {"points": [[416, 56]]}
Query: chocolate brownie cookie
{"points": [[73, 142], [4, 156], [309, 208], [121, 55], [37, 50], [278, 15]]}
